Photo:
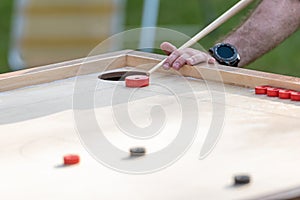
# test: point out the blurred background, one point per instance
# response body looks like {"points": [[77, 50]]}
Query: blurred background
{"points": [[39, 32]]}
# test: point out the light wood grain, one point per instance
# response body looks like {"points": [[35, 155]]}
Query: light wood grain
{"points": [[60, 71], [258, 134], [229, 75]]}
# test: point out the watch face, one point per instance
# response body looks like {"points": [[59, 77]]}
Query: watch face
{"points": [[225, 52]]}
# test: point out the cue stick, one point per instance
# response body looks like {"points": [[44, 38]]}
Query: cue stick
{"points": [[215, 24]]}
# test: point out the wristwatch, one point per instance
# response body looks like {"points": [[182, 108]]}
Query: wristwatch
{"points": [[225, 54]]}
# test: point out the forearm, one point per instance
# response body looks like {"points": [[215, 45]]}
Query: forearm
{"points": [[271, 23]]}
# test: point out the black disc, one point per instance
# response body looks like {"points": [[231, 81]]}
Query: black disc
{"points": [[241, 179], [119, 75]]}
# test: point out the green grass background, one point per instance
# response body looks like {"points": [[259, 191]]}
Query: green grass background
{"points": [[282, 60], [5, 23]]}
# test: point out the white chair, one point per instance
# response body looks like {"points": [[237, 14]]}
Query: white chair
{"points": [[50, 31]]}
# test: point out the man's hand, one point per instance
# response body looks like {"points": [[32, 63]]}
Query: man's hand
{"points": [[178, 58]]}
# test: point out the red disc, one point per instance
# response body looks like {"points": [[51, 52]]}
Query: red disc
{"points": [[71, 159], [137, 81], [261, 89], [295, 96], [273, 92], [284, 94]]}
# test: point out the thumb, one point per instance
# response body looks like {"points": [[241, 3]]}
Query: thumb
{"points": [[167, 47]]}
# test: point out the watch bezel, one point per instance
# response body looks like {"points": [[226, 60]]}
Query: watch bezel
{"points": [[231, 61]]}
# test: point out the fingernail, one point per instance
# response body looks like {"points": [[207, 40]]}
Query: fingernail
{"points": [[211, 60], [176, 65], [190, 61], [166, 66]]}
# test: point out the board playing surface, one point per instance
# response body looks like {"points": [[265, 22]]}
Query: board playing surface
{"points": [[260, 137]]}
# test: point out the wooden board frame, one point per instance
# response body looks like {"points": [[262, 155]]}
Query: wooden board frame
{"points": [[230, 75]]}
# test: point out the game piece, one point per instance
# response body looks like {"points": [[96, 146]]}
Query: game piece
{"points": [[284, 94], [261, 89], [137, 151], [136, 81], [295, 96], [241, 179], [272, 92], [71, 159]]}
